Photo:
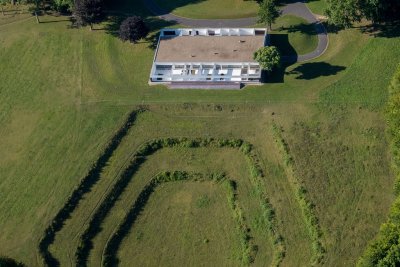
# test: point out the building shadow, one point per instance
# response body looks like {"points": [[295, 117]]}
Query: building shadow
{"points": [[288, 55], [309, 71]]}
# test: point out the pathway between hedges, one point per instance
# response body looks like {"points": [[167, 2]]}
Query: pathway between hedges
{"points": [[297, 9]]}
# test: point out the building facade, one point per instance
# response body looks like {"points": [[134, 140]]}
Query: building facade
{"points": [[208, 55]]}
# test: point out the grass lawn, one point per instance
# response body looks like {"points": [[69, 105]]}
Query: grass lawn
{"points": [[210, 9], [294, 35], [173, 229], [317, 6], [64, 92]]}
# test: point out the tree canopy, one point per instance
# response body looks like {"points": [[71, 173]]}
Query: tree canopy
{"points": [[88, 12], [133, 29], [345, 12], [268, 57], [268, 12]]}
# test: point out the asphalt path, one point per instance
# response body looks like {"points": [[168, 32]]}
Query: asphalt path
{"points": [[297, 9]]}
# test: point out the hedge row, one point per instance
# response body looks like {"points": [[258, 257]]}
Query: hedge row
{"points": [[249, 250], [149, 148], [84, 187], [385, 249], [307, 207], [257, 176], [111, 249]]}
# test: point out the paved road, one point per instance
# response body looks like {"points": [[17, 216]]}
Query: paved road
{"points": [[298, 9]]}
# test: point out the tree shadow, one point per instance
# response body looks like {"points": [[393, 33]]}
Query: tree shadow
{"points": [[304, 28], [387, 30], [309, 71]]}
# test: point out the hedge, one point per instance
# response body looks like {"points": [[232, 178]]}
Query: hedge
{"points": [[385, 249], [84, 187], [112, 246], [149, 148], [307, 207]]}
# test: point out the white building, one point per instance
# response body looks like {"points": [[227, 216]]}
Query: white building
{"points": [[211, 55]]}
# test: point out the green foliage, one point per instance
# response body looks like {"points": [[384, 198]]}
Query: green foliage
{"points": [[307, 207], [268, 12], [343, 13], [268, 57], [385, 249]]}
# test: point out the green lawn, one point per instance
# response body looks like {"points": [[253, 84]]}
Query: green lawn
{"points": [[210, 9], [293, 35], [64, 92], [317, 6]]}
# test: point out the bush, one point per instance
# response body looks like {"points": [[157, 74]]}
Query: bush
{"points": [[133, 29]]}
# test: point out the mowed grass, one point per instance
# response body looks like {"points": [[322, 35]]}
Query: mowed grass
{"points": [[63, 93], [294, 36], [210, 9], [175, 228], [317, 6]]}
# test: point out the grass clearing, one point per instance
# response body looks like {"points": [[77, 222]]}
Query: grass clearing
{"points": [[294, 35], [210, 9], [317, 6]]}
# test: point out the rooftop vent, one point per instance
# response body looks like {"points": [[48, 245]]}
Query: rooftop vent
{"points": [[242, 41]]}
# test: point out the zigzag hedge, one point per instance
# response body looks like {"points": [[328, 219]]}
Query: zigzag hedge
{"points": [[111, 249], [149, 148], [84, 187]]}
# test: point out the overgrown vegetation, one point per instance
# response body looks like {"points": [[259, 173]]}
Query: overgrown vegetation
{"points": [[307, 207], [385, 249]]}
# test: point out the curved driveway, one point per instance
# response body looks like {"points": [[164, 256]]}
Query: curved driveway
{"points": [[297, 9]]}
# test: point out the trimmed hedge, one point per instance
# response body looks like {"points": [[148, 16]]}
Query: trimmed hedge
{"points": [[149, 148], [307, 207], [385, 249], [84, 187]]}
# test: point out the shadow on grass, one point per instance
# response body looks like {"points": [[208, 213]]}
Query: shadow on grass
{"points": [[309, 71], [387, 30], [289, 57], [304, 28]]}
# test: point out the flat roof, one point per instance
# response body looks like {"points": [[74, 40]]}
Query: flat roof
{"points": [[208, 48]]}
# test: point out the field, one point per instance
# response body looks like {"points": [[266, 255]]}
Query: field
{"points": [[210, 9], [65, 93]]}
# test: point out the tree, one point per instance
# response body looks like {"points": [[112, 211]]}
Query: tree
{"points": [[268, 57], [133, 29], [268, 12], [88, 12], [343, 12]]}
